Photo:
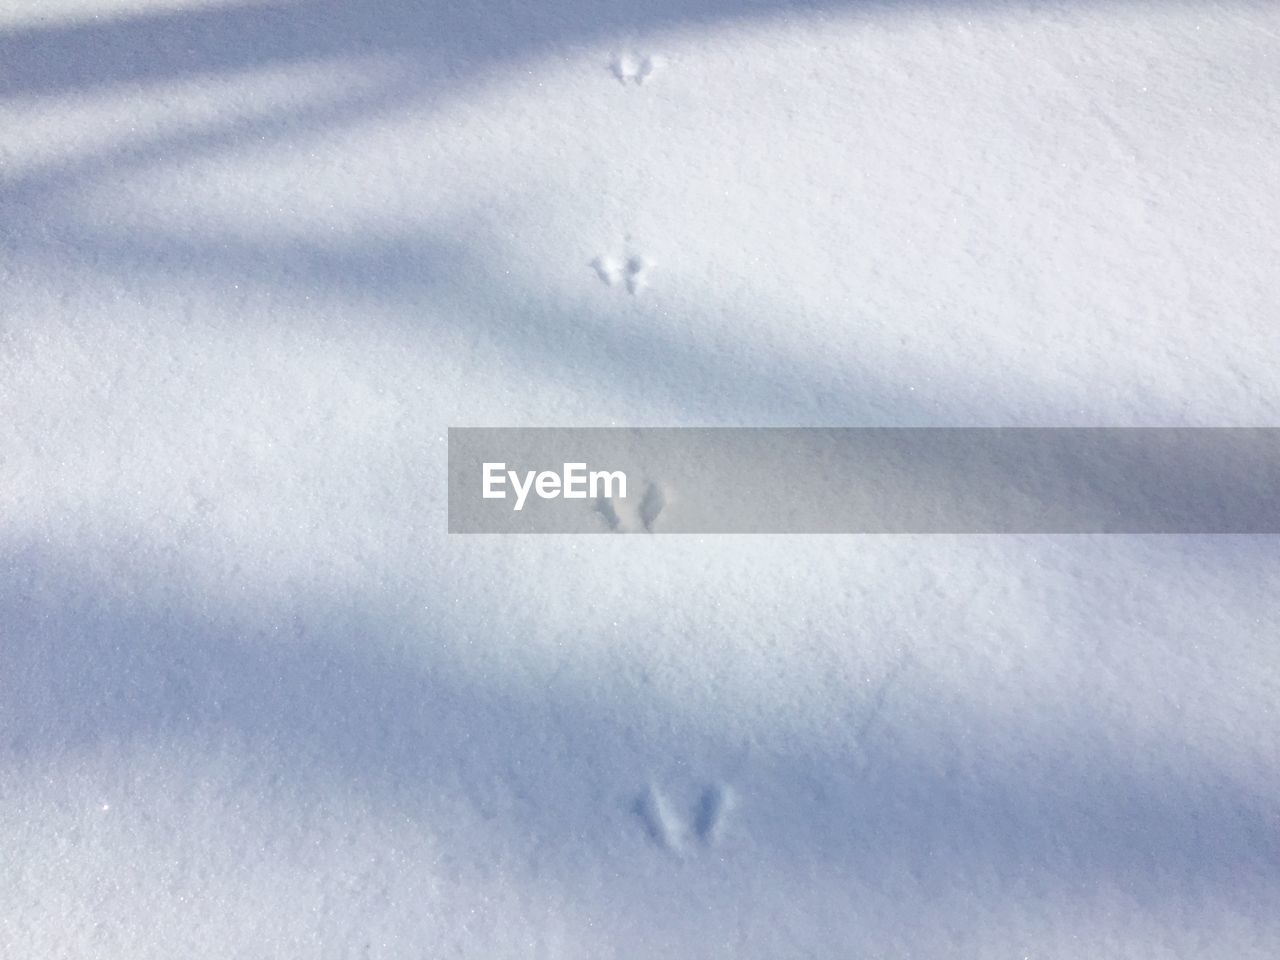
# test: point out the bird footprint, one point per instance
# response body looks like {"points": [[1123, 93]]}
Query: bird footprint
{"points": [[629, 68], [632, 271], [670, 831], [625, 516]]}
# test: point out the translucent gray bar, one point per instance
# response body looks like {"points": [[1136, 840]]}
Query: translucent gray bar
{"points": [[867, 480]]}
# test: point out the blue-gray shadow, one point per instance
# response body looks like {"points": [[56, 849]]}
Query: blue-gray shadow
{"points": [[93, 659], [444, 42]]}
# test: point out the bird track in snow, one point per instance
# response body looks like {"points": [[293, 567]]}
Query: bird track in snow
{"points": [[670, 831], [629, 515], [632, 68], [632, 271]]}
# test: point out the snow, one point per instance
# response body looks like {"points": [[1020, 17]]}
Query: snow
{"points": [[256, 258]]}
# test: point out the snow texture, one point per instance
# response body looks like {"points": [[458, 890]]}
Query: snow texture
{"points": [[257, 256]]}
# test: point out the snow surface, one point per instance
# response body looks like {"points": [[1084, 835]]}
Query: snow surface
{"points": [[256, 257]]}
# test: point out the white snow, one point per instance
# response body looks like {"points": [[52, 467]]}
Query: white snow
{"points": [[256, 257]]}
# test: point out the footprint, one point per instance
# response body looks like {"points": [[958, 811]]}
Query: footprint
{"points": [[606, 508], [651, 506], [660, 822], [637, 275], [714, 806], [629, 68], [627, 516], [634, 271], [608, 270], [666, 828], [648, 67], [623, 66]]}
